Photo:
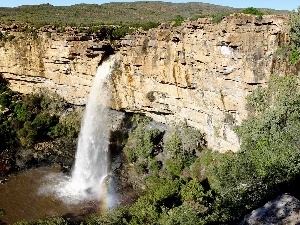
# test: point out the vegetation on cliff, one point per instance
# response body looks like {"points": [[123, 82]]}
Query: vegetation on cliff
{"points": [[294, 47], [26, 120]]}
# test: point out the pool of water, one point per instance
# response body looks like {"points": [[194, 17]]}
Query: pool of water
{"points": [[22, 199]]}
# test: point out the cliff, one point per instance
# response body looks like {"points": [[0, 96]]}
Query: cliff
{"points": [[61, 62], [199, 72]]}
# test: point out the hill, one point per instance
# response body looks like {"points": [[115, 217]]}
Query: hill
{"points": [[112, 13]]}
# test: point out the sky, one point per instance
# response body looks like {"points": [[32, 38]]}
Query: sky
{"points": [[274, 4]]}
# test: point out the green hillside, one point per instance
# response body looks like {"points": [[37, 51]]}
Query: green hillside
{"points": [[111, 13]]}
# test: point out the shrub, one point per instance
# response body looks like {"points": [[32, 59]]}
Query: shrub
{"points": [[252, 11], [192, 191], [216, 18], [178, 20], [294, 25], [31, 118], [294, 56], [117, 216], [189, 213], [120, 32], [142, 142], [182, 147], [68, 126]]}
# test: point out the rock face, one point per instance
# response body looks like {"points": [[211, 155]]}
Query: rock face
{"points": [[283, 210], [61, 63], [199, 72]]}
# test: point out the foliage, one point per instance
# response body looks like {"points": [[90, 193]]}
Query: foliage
{"points": [[6, 36], [294, 48], [252, 11], [28, 119], [142, 142], [47, 221], [269, 157], [117, 216], [294, 56], [178, 20], [112, 13], [168, 190], [216, 17], [182, 147], [294, 23], [188, 214], [120, 32], [68, 126], [37, 130]]}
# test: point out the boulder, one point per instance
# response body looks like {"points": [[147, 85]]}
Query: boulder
{"points": [[284, 210]]}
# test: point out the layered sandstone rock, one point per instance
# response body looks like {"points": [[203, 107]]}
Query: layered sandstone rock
{"points": [[199, 72], [61, 63]]}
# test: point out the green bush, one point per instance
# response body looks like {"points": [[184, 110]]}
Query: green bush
{"points": [[192, 191], [189, 213], [182, 147], [216, 17], [32, 118], [47, 221], [294, 32], [294, 56], [68, 126], [178, 20], [252, 11], [117, 216], [155, 165], [120, 32], [294, 24], [142, 142]]}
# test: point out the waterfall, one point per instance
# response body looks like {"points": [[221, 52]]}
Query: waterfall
{"points": [[91, 162]]}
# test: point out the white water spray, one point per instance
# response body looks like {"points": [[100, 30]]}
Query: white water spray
{"points": [[91, 157], [91, 162]]}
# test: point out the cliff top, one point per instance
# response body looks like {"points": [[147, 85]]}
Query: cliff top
{"points": [[113, 13]]}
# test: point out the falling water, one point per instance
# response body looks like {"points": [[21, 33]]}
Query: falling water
{"points": [[92, 151], [91, 162]]}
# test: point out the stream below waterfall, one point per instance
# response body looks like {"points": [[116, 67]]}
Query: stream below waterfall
{"points": [[21, 199]]}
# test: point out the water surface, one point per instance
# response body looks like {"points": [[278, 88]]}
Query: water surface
{"points": [[21, 198]]}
